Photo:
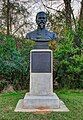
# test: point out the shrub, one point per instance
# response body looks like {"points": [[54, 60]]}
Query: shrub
{"points": [[14, 60], [69, 61]]}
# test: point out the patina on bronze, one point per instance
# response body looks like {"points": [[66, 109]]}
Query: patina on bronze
{"points": [[41, 35]]}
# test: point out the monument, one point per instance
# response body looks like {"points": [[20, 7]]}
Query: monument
{"points": [[41, 72]]}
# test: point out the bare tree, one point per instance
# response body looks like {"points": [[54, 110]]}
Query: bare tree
{"points": [[13, 14], [8, 17], [68, 12], [81, 14]]}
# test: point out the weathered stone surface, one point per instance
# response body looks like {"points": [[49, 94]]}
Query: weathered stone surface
{"points": [[41, 103], [31, 102], [41, 84]]}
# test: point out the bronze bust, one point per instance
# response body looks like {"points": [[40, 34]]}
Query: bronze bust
{"points": [[41, 35]]}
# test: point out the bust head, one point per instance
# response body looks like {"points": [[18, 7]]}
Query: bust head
{"points": [[41, 19], [41, 35]]}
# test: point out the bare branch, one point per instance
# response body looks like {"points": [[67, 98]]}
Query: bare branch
{"points": [[19, 27]]}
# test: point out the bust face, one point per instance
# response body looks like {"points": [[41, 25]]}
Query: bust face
{"points": [[41, 19]]}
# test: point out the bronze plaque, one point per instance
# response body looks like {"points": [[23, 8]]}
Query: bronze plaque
{"points": [[41, 62]]}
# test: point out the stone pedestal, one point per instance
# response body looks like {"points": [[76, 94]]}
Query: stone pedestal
{"points": [[41, 85]]}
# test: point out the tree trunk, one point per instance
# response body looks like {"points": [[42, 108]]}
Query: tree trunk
{"points": [[68, 12], [8, 16], [81, 14]]}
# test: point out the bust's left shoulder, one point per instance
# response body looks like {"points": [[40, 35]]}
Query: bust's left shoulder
{"points": [[53, 34]]}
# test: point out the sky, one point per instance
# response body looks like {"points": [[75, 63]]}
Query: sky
{"points": [[35, 6], [55, 4]]}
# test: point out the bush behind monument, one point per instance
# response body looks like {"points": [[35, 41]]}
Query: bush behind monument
{"points": [[68, 61]]}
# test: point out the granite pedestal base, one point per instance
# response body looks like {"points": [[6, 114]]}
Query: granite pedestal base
{"points": [[41, 103]]}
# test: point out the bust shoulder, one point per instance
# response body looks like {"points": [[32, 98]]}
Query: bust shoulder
{"points": [[41, 34], [31, 34], [52, 35]]}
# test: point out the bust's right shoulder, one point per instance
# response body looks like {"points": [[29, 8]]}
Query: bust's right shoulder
{"points": [[29, 34]]}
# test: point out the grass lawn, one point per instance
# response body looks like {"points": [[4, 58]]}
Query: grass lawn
{"points": [[72, 98]]}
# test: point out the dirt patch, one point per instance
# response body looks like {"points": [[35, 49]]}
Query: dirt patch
{"points": [[42, 110], [9, 88]]}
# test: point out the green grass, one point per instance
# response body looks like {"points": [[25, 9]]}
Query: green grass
{"points": [[72, 98]]}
